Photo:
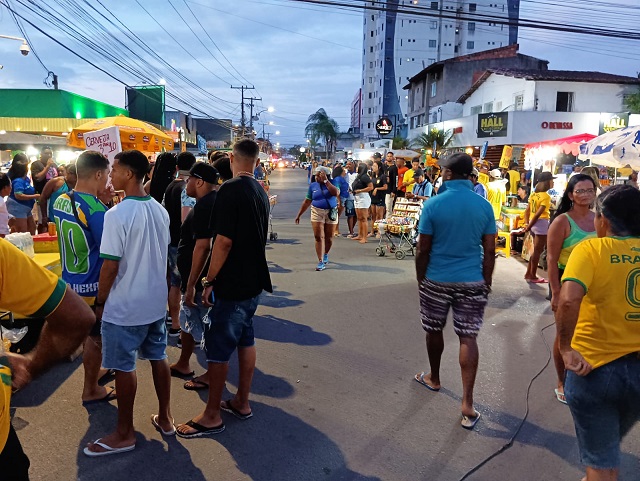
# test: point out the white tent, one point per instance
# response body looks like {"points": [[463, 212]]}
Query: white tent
{"points": [[618, 148]]}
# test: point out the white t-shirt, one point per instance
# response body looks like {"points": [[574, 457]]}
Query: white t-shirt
{"points": [[4, 217], [350, 178], [136, 233]]}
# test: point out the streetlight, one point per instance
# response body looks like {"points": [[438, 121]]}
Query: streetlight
{"points": [[24, 48]]}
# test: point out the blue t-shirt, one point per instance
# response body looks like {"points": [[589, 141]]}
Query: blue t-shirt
{"points": [[425, 189], [457, 219], [320, 196], [342, 185], [22, 186], [80, 241], [480, 190]]}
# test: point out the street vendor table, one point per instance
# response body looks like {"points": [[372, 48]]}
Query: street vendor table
{"points": [[510, 217]]}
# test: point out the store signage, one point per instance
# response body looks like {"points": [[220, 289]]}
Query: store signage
{"points": [[557, 125], [384, 126], [613, 122], [106, 141], [457, 130], [493, 125], [505, 160]]}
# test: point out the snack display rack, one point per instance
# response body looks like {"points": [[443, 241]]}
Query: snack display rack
{"points": [[398, 232]]}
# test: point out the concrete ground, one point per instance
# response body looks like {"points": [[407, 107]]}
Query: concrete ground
{"points": [[334, 395]]}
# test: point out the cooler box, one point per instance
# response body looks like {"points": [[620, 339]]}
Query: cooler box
{"points": [[45, 244]]}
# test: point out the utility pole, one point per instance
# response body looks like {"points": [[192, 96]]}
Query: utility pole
{"points": [[243, 119], [251, 117]]}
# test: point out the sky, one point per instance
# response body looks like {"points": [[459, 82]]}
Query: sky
{"points": [[299, 57]]}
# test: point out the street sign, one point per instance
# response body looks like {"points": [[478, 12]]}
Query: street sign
{"points": [[384, 126]]}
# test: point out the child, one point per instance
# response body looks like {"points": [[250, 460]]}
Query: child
{"points": [[5, 190]]}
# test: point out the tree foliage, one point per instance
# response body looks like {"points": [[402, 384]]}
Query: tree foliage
{"points": [[632, 102], [442, 138], [399, 142], [322, 127]]}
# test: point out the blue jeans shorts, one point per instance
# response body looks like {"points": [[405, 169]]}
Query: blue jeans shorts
{"points": [[172, 267], [192, 319], [349, 208], [604, 406], [18, 210], [122, 344], [230, 327]]}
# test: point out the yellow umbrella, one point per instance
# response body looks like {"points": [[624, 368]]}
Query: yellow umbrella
{"points": [[134, 134]]}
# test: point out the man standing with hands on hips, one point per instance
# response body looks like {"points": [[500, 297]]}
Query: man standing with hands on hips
{"points": [[237, 275]]}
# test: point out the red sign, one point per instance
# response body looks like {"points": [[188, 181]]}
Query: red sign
{"points": [[457, 130], [557, 125]]}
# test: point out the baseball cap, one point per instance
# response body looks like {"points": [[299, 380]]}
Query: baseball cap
{"points": [[459, 163], [418, 173], [204, 171], [377, 155], [545, 176], [475, 172], [496, 174]]}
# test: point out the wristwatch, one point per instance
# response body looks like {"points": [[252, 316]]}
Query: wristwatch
{"points": [[205, 282]]}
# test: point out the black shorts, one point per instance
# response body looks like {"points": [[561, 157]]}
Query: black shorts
{"points": [[14, 464]]}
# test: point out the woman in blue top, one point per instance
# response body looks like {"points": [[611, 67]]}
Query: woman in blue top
{"points": [[322, 197], [23, 195], [341, 183]]}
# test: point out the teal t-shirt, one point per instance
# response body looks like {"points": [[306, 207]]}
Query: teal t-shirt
{"points": [[457, 219]]}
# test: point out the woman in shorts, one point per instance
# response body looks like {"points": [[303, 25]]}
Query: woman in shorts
{"points": [[361, 187], [379, 192], [322, 198], [537, 219], [22, 197]]}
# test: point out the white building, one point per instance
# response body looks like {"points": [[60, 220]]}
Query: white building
{"points": [[398, 44]]}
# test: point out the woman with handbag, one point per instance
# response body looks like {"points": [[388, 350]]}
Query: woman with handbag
{"points": [[322, 198]]}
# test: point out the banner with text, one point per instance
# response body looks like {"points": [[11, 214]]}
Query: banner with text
{"points": [[105, 141], [505, 160]]}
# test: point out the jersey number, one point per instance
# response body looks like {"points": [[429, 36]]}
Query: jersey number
{"points": [[74, 248], [632, 294]]}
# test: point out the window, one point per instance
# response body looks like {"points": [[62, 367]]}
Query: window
{"points": [[399, 80], [369, 109], [370, 80], [435, 5], [371, 33], [470, 45], [488, 108], [499, 106], [471, 26], [434, 117], [369, 125], [433, 24], [370, 64], [476, 109], [472, 7], [432, 44], [518, 101], [434, 87], [564, 102], [370, 95], [371, 49]]}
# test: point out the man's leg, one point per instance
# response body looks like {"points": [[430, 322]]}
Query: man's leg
{"points": [[601, 474], [469, 356], [162, 384], [435, 303], [91, 361], [388, 202], [210, 417], [247, 364], [174, 307], [183, 365], [435, 348]]}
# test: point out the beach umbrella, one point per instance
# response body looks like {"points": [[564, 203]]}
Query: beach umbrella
{"points": [[618, 148]]}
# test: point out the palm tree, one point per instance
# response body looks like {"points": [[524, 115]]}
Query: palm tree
{"points": [[632, 102], [321, 126], [425, 141], [399, 142]]}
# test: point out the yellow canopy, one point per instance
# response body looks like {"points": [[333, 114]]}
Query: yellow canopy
{"points": [[134, 134]]}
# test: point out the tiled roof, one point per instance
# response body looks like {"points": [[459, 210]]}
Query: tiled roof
{"points": [[552, 75]]}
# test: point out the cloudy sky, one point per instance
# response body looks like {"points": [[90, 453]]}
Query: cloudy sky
{"points": [[299, 57]]}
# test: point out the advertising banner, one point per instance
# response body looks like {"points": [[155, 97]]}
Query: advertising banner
{"points": [[493, 124], [105, 141]]}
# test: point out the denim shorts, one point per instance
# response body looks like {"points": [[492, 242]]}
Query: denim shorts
{"points": [[230, 327], [18, 210], [122, 344], [172, 260], [191, 318], [604, 406], [349, 208]]}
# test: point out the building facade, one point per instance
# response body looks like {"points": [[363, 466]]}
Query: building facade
{"points": [[402, 37]]}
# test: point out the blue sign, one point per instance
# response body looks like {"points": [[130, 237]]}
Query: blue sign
{"points": [[202, 144], [483, 152]]}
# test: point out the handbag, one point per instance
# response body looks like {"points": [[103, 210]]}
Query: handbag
{"points": [[333, 211]]}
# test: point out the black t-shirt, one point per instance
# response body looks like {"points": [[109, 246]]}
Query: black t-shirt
{"points": [[199, 224], [241, 214], [173, 203], [392, 174], [361, 182], [380, 195]]}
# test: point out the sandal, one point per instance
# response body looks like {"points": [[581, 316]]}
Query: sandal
{"points": [[200, 430], [195, 385]]}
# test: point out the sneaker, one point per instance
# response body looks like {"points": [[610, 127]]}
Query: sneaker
{"points": [[174, 332], [325, 259], [321, 266]]}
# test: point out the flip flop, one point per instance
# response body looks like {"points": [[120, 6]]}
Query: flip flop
{"points": [[107, 376], [538, 280], [200, 430], [469, 422], [228, 407], [196, 385], [178, 374], [560, 396], [111, 395], [154, 421], [419, 378], [108, 449]]}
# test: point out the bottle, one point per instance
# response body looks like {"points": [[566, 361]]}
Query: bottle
{"points": [[52, 228]]}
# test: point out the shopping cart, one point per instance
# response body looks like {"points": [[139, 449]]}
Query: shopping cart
{"points": [[398, 233]]}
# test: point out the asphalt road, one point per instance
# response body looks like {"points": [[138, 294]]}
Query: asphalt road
{"points": [[334, 396]]}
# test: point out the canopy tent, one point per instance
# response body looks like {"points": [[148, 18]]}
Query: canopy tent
{"points": [[618, 148], [537, 153]]}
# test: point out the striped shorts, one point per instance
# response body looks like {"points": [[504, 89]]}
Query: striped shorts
{"points": [[467, 299]]}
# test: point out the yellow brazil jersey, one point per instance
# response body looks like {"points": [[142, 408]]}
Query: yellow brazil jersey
{"points": [[497, 196], [538, 199], [25, 288], [408, 177], [608, 326], [514, 180], [483, 179]]}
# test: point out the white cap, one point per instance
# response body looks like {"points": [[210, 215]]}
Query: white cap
{"points": [[496, 174]]}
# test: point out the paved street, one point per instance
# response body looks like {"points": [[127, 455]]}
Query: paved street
{"points": [[334, 396]]}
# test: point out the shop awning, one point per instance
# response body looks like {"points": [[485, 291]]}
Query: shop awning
{"points": [[568, 145]]}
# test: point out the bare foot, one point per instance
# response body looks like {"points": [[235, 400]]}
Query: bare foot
{"points": [[356, 238], [113, 440], [363, 241], [100, 392]]}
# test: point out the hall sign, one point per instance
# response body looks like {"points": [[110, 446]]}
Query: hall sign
{"points": [[493, 125], [384, 126], [557, 125], [609, 123]]}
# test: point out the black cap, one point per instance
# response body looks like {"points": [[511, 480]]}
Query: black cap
{"points": [[418, 173], [377, 155], [545, 177], [204, 171], [460, 163]]}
